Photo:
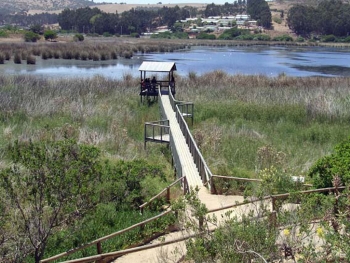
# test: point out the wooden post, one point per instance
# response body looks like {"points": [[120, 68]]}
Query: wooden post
{"points": [[212, 189], [201, 222], [99, 250], [273, 219], [273, 201], [168, 194]]}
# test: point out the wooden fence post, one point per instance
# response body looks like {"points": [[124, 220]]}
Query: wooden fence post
{"points": [[99, 250], [273, 219], [168, 194], [273, 201], [201, 222], [212, 186]]}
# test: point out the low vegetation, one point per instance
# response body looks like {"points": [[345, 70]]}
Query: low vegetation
{"points": [[245, 126]]}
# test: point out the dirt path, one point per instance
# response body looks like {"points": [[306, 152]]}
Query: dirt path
{"points": [[174, 252]]}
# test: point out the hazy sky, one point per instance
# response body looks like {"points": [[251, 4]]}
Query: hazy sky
{"points": [[163, 1]]}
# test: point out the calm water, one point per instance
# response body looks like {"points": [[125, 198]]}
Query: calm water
{"points": [[270, 61]]}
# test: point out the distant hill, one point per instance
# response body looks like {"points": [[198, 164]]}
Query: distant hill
{"points": [[16, 6]]}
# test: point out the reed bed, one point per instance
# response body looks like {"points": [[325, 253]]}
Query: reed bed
{"points": [[104, 49], [235, 116], [92, 50], [96, 111]]}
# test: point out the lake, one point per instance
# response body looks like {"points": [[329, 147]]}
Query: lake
{"points": [[247, 60]]}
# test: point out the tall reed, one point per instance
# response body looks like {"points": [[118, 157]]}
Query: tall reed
{"points": [[236, 115]]}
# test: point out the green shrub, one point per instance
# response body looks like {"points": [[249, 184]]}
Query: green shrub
{"points": [[107, 34], [204, 35], [3, 33], [285, 38], [50, 35], [136, 35], [277, 20], [300, 39], [328, 38], [78, 37], [338, 163], [180, 35], [30, 36], [261, 37]]}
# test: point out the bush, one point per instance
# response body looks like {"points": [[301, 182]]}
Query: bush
{"points": [[245, 37], [107, 34], [78, 37], [300, 39], [2, 58], [277, 20], [338, 163], [50, 35], [136, 35], [285, 38], [3, 33], [30, 36], [262, 37], [204, 35], [328, 38]]}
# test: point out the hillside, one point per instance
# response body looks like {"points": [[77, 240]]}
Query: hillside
{"points": [[13, 6]]}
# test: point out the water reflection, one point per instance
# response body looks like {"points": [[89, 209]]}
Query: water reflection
{"points": [[265, 60]]}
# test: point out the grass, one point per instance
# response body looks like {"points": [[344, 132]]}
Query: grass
{"points": [[235, 118], [302, 117]]}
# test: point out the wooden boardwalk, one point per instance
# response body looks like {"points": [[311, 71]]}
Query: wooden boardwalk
{"points": [[188, 166]]}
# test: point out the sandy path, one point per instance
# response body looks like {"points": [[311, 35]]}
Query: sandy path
{"points": [[174, 252]]}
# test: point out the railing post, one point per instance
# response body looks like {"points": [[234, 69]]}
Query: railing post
{"points": [[273, 202], [99, 248], [168, 194], [145, 136], [201, 222], [273, 219], [212, 189], [142, 228]]}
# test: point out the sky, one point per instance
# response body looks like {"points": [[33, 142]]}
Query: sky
{"points": [[163, 1]]}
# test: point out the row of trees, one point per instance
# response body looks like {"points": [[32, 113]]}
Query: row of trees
{"points": [[226, 9], [87, 20], [330, 17], [29, 20]]}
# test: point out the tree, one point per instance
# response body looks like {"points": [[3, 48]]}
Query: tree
{"points": [[301, 19], [260, 10], [49, 185], [50, 35]]}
